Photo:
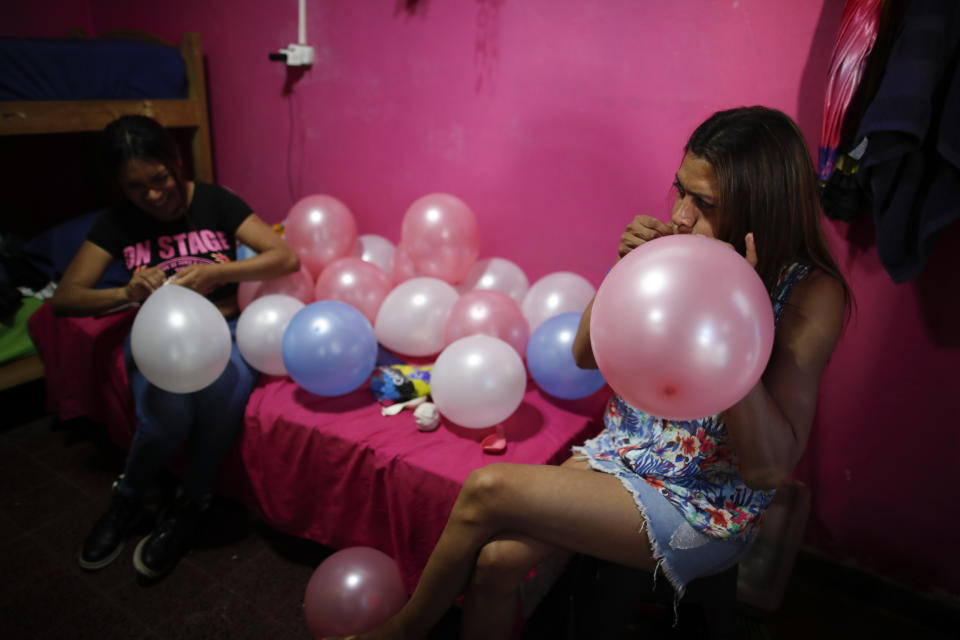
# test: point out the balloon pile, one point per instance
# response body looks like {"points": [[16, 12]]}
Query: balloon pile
{"points": [[428, 296], [354, 590], [681, 327]]}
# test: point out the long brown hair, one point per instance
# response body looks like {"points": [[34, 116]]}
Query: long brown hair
{"points": [[768, 186]]}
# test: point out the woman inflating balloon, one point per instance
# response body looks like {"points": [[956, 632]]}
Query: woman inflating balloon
{"points": [[186, 374], [683, 496]]}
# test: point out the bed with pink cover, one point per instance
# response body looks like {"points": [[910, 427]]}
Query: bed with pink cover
{"points": [[333, 470]]}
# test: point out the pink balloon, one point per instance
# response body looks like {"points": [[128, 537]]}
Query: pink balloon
{"points": [[321, 229], [353, 591], [478, 381], [497, 274], [360, 284], [488, 313], [441, 236], [298, 284], [401, 266], [682, 327], [376, 249], [556, 293], [411, 318]]}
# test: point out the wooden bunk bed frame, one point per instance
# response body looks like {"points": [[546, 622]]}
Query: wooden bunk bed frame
{"points": [[77, 116]]}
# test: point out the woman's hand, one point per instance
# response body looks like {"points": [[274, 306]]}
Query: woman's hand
{"points": [[642, 229], [143, 283], [750, 254], [202, 278]]}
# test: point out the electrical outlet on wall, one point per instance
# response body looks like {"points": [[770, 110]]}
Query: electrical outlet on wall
{"points": [[295, 55]]}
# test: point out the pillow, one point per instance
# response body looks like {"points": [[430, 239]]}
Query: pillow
{"points": [[51, 251]]}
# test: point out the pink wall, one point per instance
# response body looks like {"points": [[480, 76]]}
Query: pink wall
{"points": [[557, 122]]}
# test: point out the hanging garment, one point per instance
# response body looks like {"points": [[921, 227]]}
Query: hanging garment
{"points": [[911, 167]]}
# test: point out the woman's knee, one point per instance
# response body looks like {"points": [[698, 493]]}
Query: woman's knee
{"points": [[502, 566], [483, 491]]}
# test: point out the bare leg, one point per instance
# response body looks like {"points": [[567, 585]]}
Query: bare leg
{"points": [[492, 600], [563, 507]]}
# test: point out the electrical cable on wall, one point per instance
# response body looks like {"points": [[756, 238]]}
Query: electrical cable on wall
{"points": [[297, 57]]}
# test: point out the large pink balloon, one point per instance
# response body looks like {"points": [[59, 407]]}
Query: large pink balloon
{"points": [[556, 293], [376, 249], [682, 327], [353, 591], [497, 274], [321, 229], [441, 236], [478, 381], [298, 284], [411, 318], [488, 313], [360, 284]]}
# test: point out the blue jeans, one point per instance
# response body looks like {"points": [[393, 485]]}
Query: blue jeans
{"points": [[210, 419]]}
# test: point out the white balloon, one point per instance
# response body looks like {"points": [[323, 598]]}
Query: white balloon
{"points": [[411, 318], [478, 381], [556, 293], [260, 331], [497, 274], [180, 340], [375, 249]]}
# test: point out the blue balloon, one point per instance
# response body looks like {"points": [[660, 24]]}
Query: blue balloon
{"points": [[550, 359], [329, 348]]}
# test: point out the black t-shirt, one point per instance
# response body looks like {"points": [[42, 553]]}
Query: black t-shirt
{"points": [[205, 235]]}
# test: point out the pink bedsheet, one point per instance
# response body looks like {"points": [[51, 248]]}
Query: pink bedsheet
{"points": [[333, 470]]}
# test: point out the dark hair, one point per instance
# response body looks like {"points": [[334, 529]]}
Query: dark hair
{"points": [[768, 186], [135, 136]]}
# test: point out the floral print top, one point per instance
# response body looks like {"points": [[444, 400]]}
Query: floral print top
{"points": [[690, 462]]}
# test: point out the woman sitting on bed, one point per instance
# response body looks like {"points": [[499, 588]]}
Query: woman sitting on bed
{"points": [[747, 179], [168, 229]]}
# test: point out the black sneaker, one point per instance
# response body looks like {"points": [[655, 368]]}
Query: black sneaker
{"points": [[159, 552], [105, 541]]}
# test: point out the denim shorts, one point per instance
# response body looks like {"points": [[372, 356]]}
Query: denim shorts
{"points": [[681, 552]]}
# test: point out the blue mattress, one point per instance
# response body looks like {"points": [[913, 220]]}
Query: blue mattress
{"points": [[81, 69]]}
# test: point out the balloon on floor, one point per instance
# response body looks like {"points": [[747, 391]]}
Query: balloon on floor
{"points": [[354, 590]]}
